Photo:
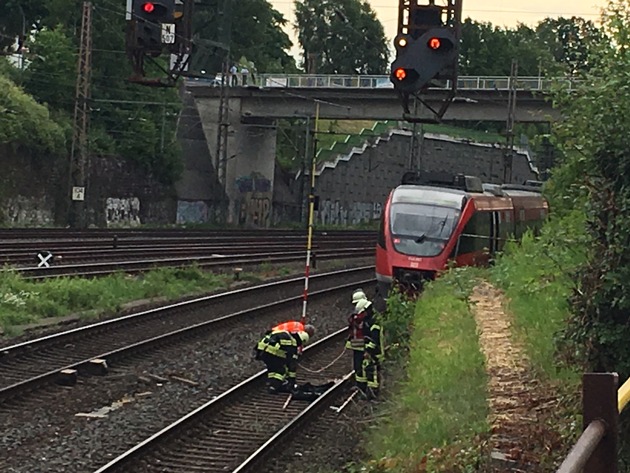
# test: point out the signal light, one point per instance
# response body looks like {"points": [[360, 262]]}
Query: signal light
{"points": [[402, 42], [435, 43], [148, 7], [431, 56], [400, 73]]}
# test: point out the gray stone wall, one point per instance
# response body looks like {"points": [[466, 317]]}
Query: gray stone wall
{"points": [[119, 193], [34, 192], [353, 189], [30, 193]]}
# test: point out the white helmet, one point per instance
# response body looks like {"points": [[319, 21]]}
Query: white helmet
{"points": [[362, 305], [358, 295], [304, 337]]}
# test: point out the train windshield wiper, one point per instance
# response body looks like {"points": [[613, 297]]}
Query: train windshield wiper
{"points": [[421, 238]]}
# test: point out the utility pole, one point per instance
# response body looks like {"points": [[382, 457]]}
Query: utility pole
{"points": [[224, 36], [223, 123], [509, 128], [307, 148], [79, 154], [311, 213]]}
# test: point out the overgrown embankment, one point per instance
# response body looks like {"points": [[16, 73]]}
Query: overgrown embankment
{"points": [[438, 418]]}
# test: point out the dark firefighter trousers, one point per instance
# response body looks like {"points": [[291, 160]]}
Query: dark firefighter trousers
{"points": [[365, 371], [281, 373]]}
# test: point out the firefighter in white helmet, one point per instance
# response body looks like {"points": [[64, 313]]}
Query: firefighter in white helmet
{"points": [[365, 341]]}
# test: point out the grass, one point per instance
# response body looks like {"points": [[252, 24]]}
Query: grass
{"points": [[442, 403], [437, 416], [537, 277], [23, 301], [467, 133]]}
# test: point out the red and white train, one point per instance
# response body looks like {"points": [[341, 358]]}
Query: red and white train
{"points": [[423, 227]]}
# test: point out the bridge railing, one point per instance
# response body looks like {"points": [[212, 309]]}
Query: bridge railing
{"points": [[336, 81], [383, 81], [596, 449]]}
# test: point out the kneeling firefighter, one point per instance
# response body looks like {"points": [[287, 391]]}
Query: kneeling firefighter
{"points": [[280, 351]]}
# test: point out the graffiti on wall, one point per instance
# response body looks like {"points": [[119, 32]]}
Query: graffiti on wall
{"points": [[254, 200], [122, 211], [335, 213], [192, 212], [26, 211]]}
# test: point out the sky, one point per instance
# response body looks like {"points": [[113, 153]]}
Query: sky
{"points": [[498, 12]]}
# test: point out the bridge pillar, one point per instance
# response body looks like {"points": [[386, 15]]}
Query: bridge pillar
{"points": [[250, 166]]}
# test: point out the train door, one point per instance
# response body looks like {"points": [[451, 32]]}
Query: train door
{"points": [[476, 241], [494, 232]]}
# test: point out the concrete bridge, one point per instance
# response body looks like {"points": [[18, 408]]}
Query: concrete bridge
{"points": [[247, 173], [275, 96]]}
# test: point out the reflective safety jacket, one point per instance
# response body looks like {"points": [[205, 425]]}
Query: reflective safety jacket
{"points": [[291, 326], [356, 329], [366, 334], [374, 340], [281, 344]]}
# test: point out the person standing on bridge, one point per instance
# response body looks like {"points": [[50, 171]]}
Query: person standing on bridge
{"points": [[366, 342], [244, 74], [280, 352], [233, 76]]}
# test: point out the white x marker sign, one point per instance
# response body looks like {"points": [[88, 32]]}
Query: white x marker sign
{"points": [[43, 259]]}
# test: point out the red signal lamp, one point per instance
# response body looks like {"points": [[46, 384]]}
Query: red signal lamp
{"points": [[435, 43], [148, 7], [400, 73]]}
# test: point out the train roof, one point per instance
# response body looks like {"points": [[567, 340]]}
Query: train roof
{"points": [[412, 194], [455, 198], [511, 190]]}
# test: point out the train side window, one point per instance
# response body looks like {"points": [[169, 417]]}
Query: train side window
{"points": [[476, 233], [381, 231]]}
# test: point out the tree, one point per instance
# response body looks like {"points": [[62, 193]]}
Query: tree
{"points": [[570, 41], [596, 142], [24, 122], [250, 28], [51, 73], [488, 50], [18, 19], [341, 37]]}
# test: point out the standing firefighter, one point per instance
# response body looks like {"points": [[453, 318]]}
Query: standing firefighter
{"points": [[280, 351], [366, 341]]}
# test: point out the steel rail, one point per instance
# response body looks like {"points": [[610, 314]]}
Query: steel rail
{"points": [[255, 460], [59, 244], [29, 232], [215, 262], [27, 258], [122, 462], [53, 375]]}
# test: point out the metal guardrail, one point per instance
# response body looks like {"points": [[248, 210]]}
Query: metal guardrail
{"points": [[335, 81], [596, 449]]}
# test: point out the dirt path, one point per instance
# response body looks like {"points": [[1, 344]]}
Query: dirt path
{"points": [[514, 395]]}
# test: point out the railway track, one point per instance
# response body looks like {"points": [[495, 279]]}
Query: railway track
{"points": [[73, 254], [20, 234], [237, 430], [215, 262], [30, 365]]}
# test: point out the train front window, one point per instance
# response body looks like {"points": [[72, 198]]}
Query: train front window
{"points": [[422, 230]]}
